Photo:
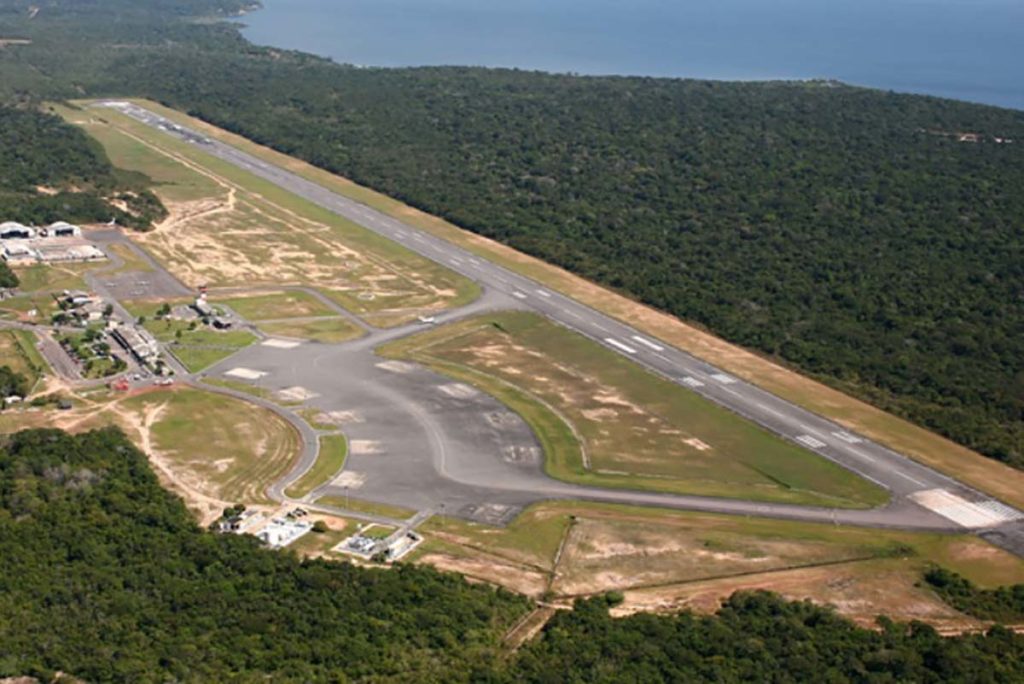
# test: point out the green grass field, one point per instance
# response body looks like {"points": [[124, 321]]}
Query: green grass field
{"points": [[294, 314], [330, 461], [225, 447], [45, 278], [605, 421], [172, 181], [327, 330], [276, 305], [351, 503], [18, 351]]}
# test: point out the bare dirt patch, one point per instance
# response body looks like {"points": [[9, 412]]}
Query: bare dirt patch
{"points": [[512, 577], [860, 591]]}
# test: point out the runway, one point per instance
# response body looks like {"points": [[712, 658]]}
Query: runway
{"points": [[919, 493]]}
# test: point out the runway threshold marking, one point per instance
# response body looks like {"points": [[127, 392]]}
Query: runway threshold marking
{"points": [[245, 373], [544, 293], [692, 382], [966, 513], [619, 345], [519, 295], [723, 378], [280, 344]]}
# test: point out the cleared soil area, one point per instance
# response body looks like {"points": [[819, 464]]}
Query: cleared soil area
{"points": [[631, 428], [227, 227], [668, 560], [987, 475], [861, 591]]}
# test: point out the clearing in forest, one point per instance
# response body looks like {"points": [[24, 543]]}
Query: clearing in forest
{"points": [[992, 477], [672, 560], [228, 227]]}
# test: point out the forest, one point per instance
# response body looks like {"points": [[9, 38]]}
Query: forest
{"points": [[104, 576], [52, 171], [12, 384], [869, 239], [1005, 604], [8, 278]]}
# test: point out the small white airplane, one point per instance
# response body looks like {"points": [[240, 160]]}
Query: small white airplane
{"points": [[428, 320]]}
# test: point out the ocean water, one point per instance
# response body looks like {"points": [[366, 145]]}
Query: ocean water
{"points": [[964, 49]]}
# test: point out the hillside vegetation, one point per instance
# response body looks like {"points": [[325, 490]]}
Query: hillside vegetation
{"points": [[104, 575], [854, 234]]}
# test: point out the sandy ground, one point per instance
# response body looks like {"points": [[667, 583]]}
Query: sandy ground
{"points": [[242, 238], [513, 577], [857, 590]]}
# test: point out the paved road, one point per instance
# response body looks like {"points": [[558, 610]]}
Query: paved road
{"points": [[910, 483]]}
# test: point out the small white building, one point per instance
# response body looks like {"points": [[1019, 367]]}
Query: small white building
{"points": [[203, 307], [62, 229], [280, 532]]}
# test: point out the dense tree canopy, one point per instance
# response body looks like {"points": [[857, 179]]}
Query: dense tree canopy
{"points": [[8, 278], [12, 383], [758, 637], [104, 575], [1005, 604], [52, 171]]}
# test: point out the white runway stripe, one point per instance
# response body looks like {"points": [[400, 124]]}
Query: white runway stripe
{"points": [[619, 345], [647, 343]]}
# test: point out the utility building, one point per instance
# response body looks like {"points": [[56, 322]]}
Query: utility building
{"points": [[11, 230], [63, 229]]}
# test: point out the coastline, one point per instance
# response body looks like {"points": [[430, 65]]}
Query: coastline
{"points": [[359, 33]]}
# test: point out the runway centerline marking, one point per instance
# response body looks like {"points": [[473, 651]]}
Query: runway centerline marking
{"points": [[648, 343], [619, 345]]}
